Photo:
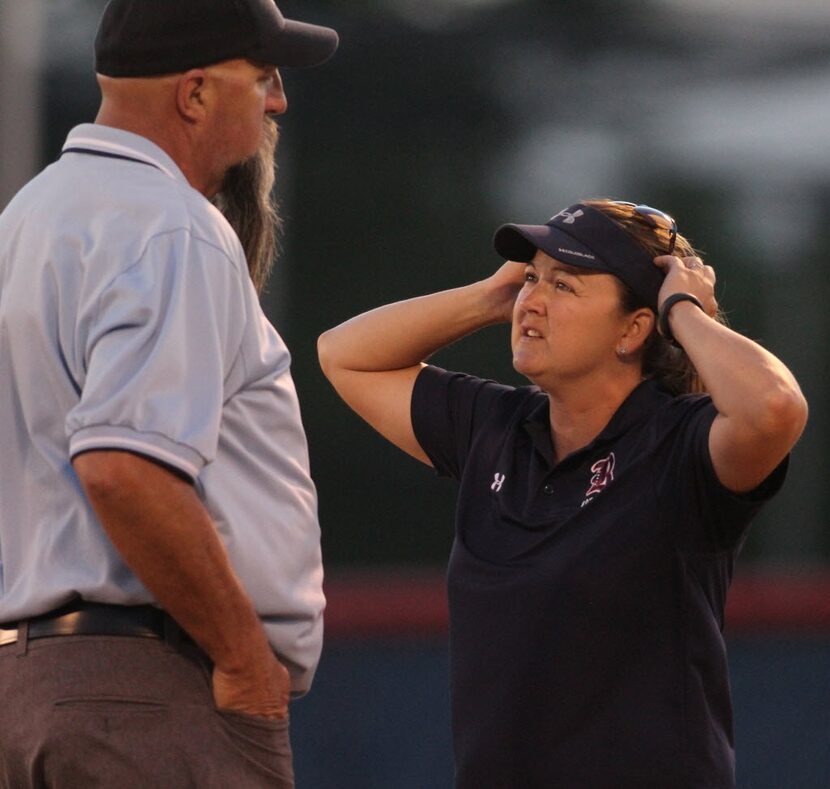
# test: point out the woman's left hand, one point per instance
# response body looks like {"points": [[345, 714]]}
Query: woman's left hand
{"points": [[688, 275], [761, 411]]}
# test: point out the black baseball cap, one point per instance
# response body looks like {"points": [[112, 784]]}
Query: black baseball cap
{"points": [[146, 38], [585, 237]]}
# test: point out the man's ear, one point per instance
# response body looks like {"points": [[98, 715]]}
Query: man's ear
{"points": [[640, 325], [192, 95]]}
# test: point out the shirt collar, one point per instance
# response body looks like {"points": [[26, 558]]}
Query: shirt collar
{"points": [[642, 402], [109, 140]]}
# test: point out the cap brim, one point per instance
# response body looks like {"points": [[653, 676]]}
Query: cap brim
{"points": [[520, 242], [301, 44]]}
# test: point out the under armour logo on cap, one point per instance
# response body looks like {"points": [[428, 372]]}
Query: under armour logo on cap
{"points": [[567, 217], [596, 241]]}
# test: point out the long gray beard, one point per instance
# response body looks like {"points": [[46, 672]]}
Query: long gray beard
{"points": [[246, 201]]}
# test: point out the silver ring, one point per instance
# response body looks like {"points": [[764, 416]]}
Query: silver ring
{"points": [[692, 264]]}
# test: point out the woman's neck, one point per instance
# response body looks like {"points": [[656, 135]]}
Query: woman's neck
{"points": [[579, 413]]}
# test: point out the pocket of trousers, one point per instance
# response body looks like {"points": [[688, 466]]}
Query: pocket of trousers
{"points": [[109, 703], [263, 742]]}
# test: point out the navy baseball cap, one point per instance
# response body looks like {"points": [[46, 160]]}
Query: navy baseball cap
{"points": [[586, 237], [146, 38]]}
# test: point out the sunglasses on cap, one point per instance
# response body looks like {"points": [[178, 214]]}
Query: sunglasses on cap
{"points": [[656, 218]]}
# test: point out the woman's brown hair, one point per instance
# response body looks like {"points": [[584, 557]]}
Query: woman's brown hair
{"points": [[662, 361]]}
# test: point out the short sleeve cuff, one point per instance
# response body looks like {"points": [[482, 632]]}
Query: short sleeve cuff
{"points": [[429, 401], [151, 445], [763, 492], [758, 495]]}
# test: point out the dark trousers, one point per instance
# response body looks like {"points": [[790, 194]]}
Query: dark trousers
{"points": [[116, 712]]}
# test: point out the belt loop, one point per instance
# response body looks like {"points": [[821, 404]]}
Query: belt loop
{"points": [[22, 638], [172, 633]]}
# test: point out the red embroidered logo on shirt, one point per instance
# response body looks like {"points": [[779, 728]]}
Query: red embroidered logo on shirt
{"points": [[603, 475]]}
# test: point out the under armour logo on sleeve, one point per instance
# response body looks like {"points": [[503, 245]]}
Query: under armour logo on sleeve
{"points": [[498, 481]]}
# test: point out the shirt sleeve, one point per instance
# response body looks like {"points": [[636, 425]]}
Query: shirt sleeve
{"points": [[447, 410], [715, 518], [158, 346]]}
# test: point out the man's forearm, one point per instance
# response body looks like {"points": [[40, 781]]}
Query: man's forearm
{"points": [[164, 534]]}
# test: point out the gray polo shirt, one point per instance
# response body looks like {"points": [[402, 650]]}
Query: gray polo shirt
{"points": [[128, 321]]}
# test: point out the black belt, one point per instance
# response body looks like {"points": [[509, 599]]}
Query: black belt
{"points": [[94, 619]]}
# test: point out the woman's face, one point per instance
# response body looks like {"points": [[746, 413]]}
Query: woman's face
{"points": [[567, 323]]}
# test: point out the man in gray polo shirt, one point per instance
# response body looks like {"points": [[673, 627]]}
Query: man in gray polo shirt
{"points": [[161, 580]]}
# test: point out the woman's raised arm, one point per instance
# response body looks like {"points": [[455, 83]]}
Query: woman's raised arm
{"points": [[373, 359], [761, 410]]}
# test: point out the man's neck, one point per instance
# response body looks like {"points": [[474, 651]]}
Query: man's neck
{"points": [[174, 145]]}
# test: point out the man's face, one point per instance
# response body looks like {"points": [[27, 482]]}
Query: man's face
{"points": [[245, 93]]}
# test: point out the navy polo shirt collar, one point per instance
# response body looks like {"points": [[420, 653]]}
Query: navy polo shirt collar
{"points": [[634, 409]]}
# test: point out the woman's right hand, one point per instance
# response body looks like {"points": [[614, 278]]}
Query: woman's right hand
{"points": [[374, 359], [503, 287]]}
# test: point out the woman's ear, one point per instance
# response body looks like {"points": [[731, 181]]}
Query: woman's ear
{"points": [[191, 95], [639, 326]]}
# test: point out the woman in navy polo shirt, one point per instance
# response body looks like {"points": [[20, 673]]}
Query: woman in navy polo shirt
{"points": [[600, 510]]}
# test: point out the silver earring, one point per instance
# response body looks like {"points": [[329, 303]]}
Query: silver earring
{"points": [[622, 351]]}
